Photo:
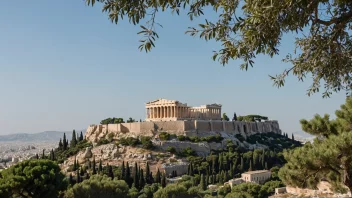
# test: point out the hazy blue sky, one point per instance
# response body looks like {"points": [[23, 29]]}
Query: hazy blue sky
{"points": [[64, 65]]}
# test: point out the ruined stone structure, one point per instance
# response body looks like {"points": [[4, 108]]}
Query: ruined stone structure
{"points": [[172, 110], [185, 120]]}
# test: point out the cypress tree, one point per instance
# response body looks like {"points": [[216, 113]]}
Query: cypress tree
{"points": [[163, 181], [207, 179], [74, 139], [81, 137], [231, 171], [293, 137], [60, 145], [158, 177], [242, 165], [37, 156], [263, 160], [123, 171], [128, 174], [89, 164], [64, 142], [141, 179], [81, 171], [43, 154], [213, 165], [147, 172], [70, 179], [135, 176], [94, 171], [266, 166], [100, 168], [78, 177], [250, 166], [202, 182], [213, 179], [110, 172], [220, 163], [74, 168]]}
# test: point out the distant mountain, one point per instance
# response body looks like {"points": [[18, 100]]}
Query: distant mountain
{"points": [[38, 137]]}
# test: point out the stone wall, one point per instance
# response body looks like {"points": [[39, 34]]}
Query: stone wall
{"points": [[196, 127], [180, 168]]}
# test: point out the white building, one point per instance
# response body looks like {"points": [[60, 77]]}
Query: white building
{"points": [[259, 176]]}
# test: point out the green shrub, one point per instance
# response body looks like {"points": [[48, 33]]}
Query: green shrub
{"points": [[147, 142], [164, 136], [129, 141], [103, 141], [187, 152], [171, 149]]}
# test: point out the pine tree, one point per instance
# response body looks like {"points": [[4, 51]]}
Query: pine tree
{"points": [[94, 170], [100, 168], [60, 145], [163, 181], [64, 142], [202, 183], [250, 166], [74, 139]]}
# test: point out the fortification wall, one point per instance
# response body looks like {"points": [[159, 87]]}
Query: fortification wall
{"points": [[197, 127], [173, 127]]}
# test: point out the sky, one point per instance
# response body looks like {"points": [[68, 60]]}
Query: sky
{"points": [[64, 66]]}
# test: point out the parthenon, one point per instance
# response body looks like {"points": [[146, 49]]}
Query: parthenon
{"points": [[171, 110]]}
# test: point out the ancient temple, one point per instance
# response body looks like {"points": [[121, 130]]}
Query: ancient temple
{"points": [[171, 110]]}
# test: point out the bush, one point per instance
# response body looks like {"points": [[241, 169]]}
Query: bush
{"points": [[187, 152], [181, 138], [103, 141], [129, 141], [146, 142], [164, 136], [171, 149]]}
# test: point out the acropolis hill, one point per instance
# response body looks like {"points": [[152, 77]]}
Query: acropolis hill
{"points": [[178, 118]]}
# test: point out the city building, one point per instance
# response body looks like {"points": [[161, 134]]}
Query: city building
{"points": [[172, 110]]}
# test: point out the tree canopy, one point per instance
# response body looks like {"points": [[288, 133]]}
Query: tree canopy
{"points": [[99, 186], [329, 157], [112, 121], [32, 178], [250, 28]]}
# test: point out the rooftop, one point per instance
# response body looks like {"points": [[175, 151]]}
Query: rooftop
{"points": [[256, 172]]}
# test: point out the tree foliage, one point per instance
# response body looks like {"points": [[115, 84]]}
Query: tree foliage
{"points": [[99, 186], [112, 121], [32, 178], [247, 29], [328, 157]]}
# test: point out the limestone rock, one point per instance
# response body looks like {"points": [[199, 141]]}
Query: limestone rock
{"points": [[88, 153]]}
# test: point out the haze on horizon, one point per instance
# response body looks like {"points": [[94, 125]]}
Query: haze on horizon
{"points": [[68, 67]]}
